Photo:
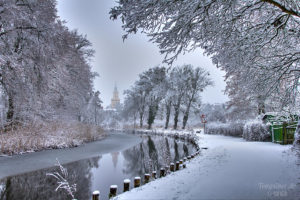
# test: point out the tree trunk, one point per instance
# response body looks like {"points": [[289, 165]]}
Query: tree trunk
{"points": [[141, 120], [187, 111], [297, 133], [10, 111], [176, 114], [134, 120], [185, 119], [168, 112], [151, 115], [261, 108]]}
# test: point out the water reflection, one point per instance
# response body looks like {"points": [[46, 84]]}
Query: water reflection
{"points": [[114, 157], [97, 173], [154, 153], [36, 185]]}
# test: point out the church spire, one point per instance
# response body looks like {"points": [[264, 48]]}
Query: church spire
{"points": [[115, 100]]}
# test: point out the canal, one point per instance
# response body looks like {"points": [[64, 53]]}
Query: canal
{"points": [[97, 172]]}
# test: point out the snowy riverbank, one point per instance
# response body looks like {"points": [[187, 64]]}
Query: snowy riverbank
{"points": [[188, 135], [54, 135], [231, 168]]}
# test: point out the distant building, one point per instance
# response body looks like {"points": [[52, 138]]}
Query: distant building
{"points": [[115, 100]]}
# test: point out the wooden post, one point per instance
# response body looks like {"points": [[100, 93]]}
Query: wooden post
{"points": [[126, 185], [192, 156], [180, 161], [184, 165], [96, 195], [154, 174], [137, 181], [146, 178], [172, 167], [113, 191], [177, 165], [162, 172], [189, 157], [184, 159]]}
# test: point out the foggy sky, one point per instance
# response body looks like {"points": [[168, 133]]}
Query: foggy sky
{"points": [[120, 62]]}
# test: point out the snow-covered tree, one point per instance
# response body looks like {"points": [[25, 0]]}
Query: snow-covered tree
{"points": [[179, 77], [44, 67], [254, 38], [156, 77], [197, 82], [178, 88]]}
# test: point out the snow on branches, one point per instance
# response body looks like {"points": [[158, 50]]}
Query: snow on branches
{"points": [[177, 90], [44, 69], [256, 42]]}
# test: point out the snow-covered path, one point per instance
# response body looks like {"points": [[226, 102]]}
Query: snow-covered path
{"points": [[230, 168]]}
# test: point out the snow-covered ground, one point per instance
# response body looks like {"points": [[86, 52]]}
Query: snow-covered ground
{"points": [[231, 168]]}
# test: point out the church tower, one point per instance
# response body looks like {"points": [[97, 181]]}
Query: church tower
{"points": [[115, 100]]}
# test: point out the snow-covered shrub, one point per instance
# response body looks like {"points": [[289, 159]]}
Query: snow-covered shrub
{"points": [[256, 130], [62, 180], [230, 128]]}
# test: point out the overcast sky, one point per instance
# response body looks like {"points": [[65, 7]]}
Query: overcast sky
{"points": [[120, 62]]}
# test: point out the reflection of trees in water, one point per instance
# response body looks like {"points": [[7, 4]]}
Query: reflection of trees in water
{"points": [[185, 150], [36, 185], [167, 153], [141, 159], [176, 158], [134, 160], [114, 157], [151, 154]]}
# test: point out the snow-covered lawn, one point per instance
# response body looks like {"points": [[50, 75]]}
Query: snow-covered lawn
{"points": [[231, 168]]}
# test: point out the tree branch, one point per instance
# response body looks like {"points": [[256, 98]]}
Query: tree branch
{"points": [[283, 8]]}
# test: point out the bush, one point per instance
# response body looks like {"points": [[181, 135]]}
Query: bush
{"points": [[231, 129], [256, 130]]}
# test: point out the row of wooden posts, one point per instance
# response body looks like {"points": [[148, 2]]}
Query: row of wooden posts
{"points": [[137, 180]]}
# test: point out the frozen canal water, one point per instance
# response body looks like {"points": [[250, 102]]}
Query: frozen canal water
{"points": [[231, 168], [38, 160], [131, 156]]}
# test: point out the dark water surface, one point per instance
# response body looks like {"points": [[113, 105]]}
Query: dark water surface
{"points": [[99, 172]]}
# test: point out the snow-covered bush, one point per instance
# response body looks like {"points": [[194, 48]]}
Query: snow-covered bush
{"points": [[231, 128], [256, 130]]}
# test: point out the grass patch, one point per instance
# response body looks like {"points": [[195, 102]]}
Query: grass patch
{"points": [[53, 135]]}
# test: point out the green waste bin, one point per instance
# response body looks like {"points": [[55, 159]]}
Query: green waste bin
{"points": [[283, 133], [277, 133]]}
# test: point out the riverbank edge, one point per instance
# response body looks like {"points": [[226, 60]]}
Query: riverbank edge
{"points": [[189, 135], [41, 137]]}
